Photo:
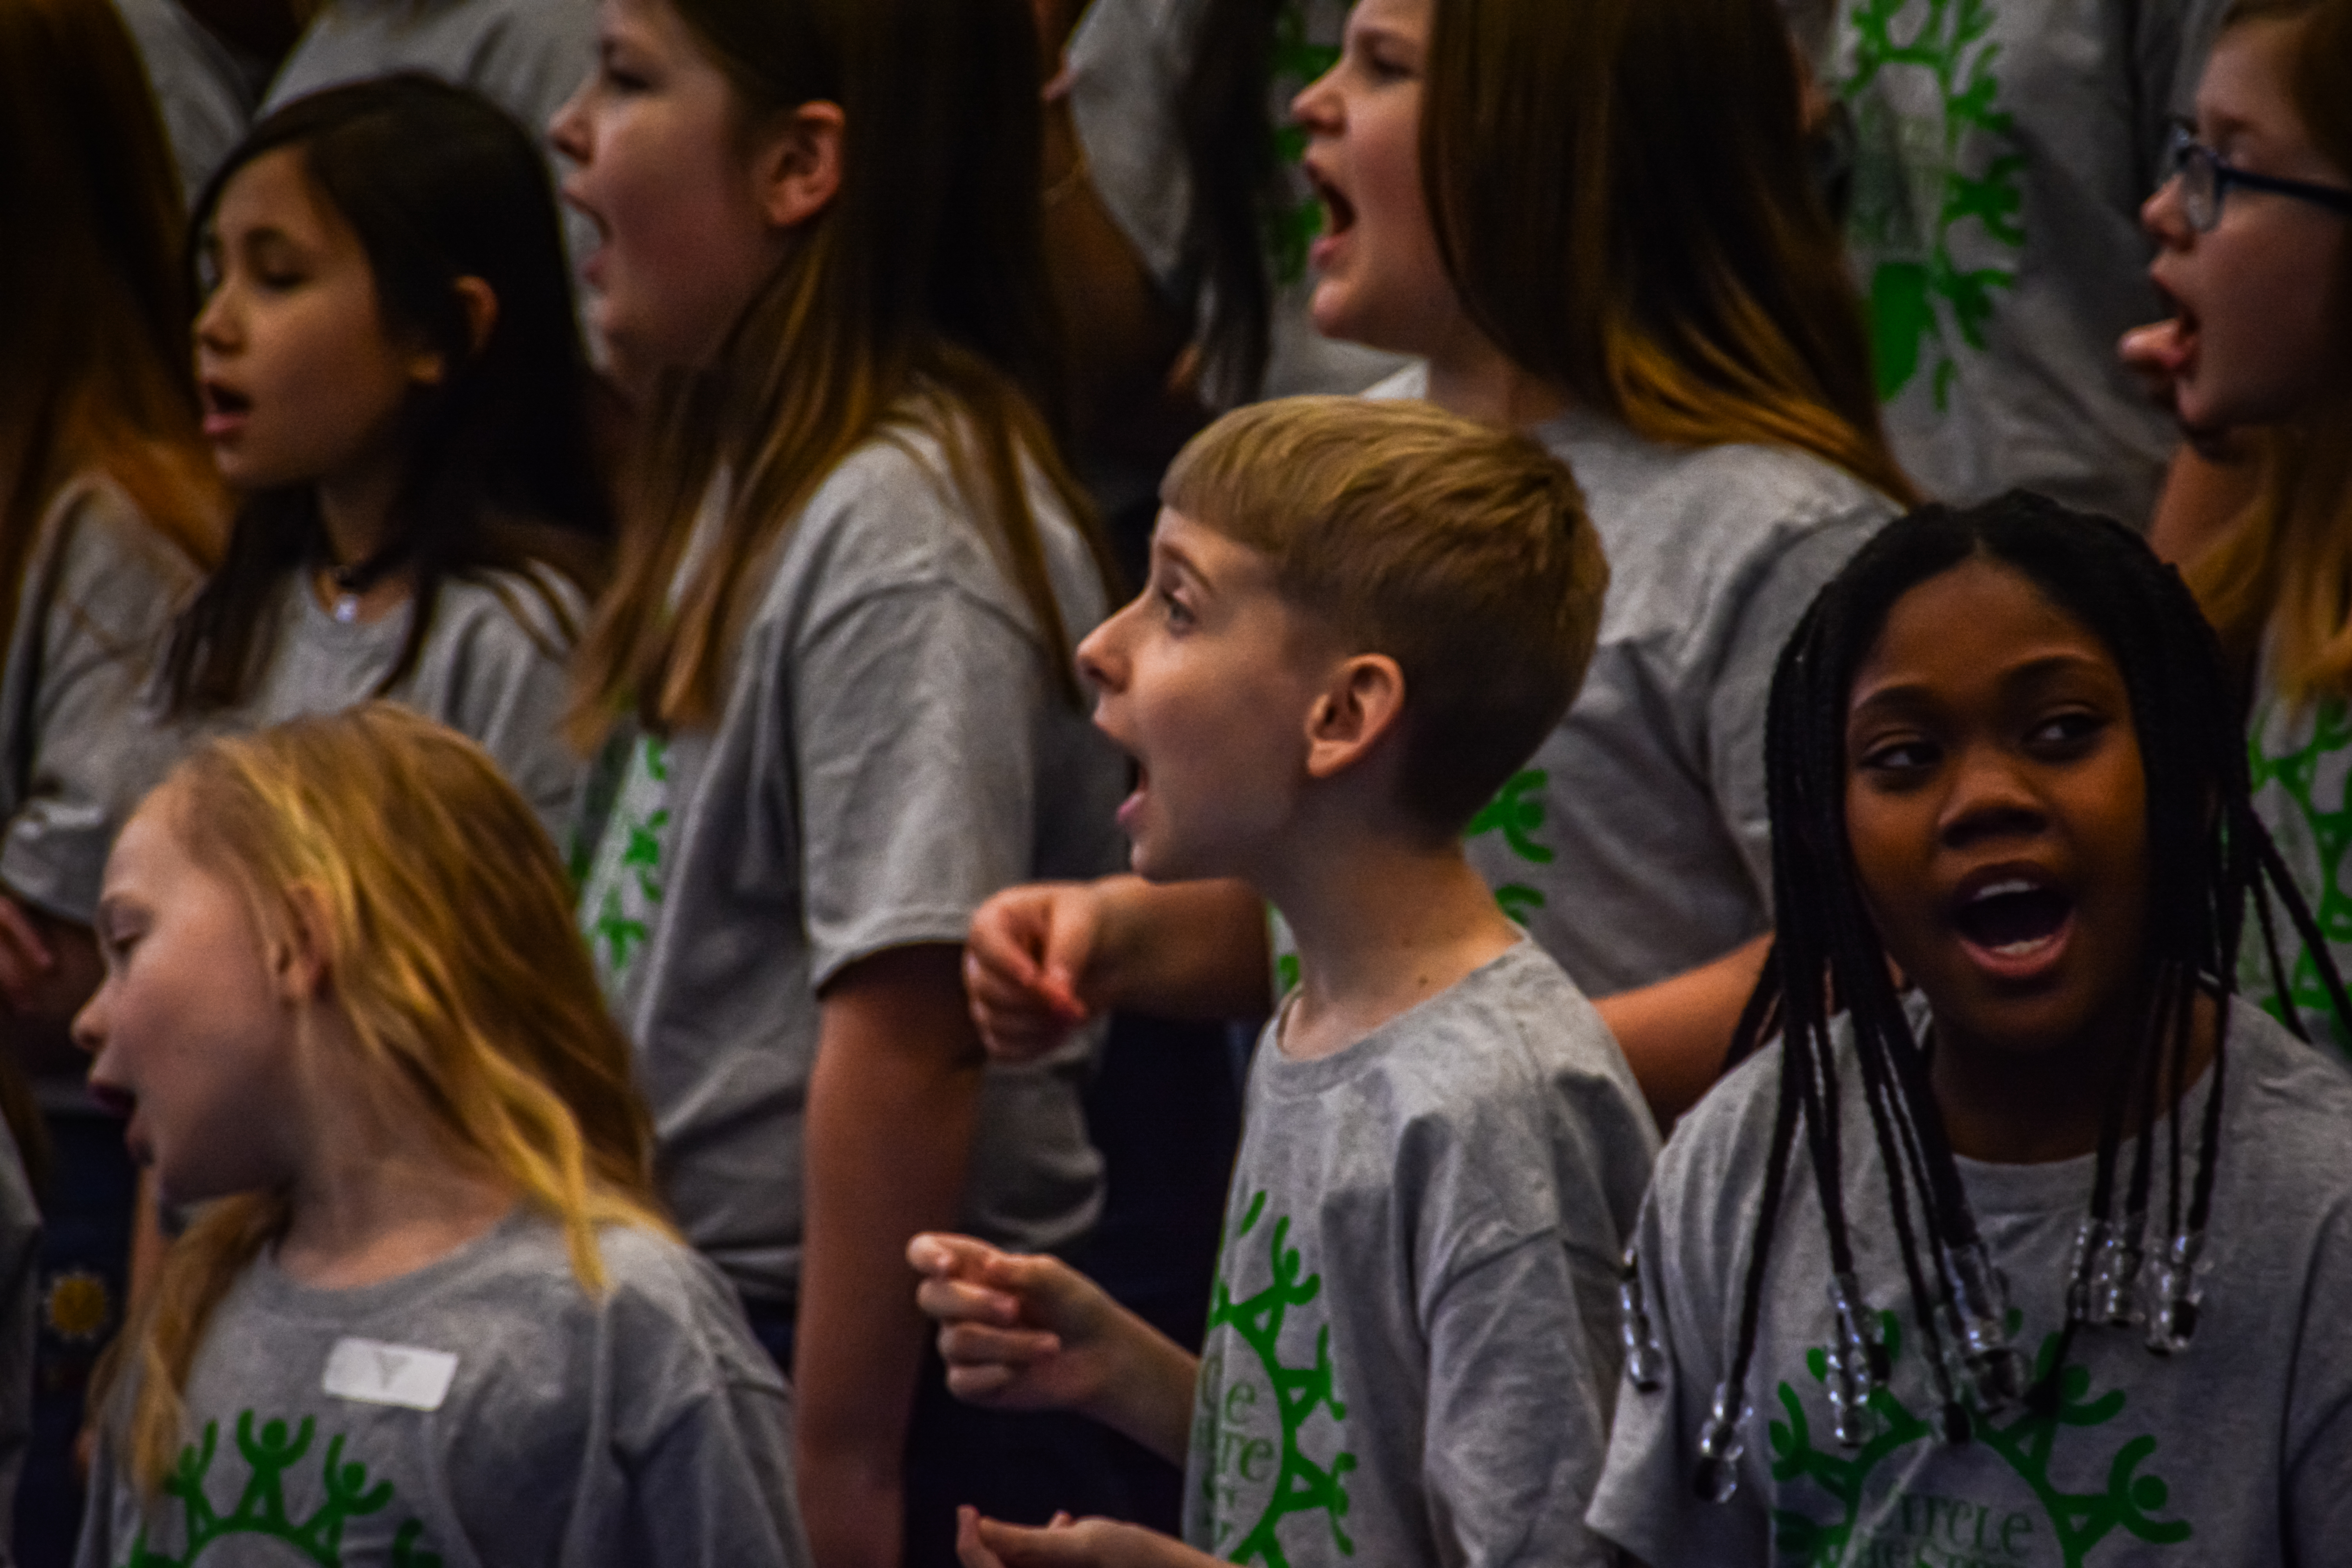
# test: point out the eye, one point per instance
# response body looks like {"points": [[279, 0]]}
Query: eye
{"points": [[2068, 731], [1897, 758], [1173, 608]]}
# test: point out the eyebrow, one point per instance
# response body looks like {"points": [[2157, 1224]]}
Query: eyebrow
{"points": [[1897, 693]]}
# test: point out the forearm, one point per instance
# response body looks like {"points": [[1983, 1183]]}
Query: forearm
{"points": [[1148, 1398], [1183, 949], [1675, 1033], [891, 1107]]}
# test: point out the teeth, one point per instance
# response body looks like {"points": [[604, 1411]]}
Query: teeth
{"points": [[2014, 885], [2029, 945]]}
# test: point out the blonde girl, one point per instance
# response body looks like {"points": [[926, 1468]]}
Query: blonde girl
{"points": [[431, 1311], [2254, 231], [836, 665]]}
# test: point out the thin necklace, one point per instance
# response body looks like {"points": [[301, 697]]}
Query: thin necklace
{"points": [[351, 582]]}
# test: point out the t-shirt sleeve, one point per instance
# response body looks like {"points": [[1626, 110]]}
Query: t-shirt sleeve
{"points": [[915, 707], [1779, 592], [1516, 1431], [80, 747], [1645, 1503], [716, 1490]]}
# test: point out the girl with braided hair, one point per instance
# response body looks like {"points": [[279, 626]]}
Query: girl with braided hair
{"points": [[2082, 1213]]}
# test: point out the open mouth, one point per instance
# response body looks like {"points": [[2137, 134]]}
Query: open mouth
{"points": [[224, 408], [1338, 212], [2013, 918]]}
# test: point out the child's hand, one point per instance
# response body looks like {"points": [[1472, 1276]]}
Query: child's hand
{"points": [[1018, 1331], [1084, 1543], [1025, 963]]}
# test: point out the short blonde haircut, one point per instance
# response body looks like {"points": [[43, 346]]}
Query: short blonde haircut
{"points": [[451, 950], [1461, 552]]}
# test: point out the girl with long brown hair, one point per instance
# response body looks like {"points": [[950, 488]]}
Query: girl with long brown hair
{"points": [[834, 672], [430, 1309]]}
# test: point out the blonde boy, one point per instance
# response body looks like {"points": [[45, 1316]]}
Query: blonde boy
{"points": [[1361, 619]]}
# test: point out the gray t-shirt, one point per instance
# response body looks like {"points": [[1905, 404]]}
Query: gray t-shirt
{"points": [[892, 750], [1636, 844], [481, 1412], [2236, 1451], [207, 89], [77, 747], [1127, 61], [494, 667], [1412, 1341], [2002, 151]]}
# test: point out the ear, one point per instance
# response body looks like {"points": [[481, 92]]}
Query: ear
{"points": [[1362, 703], [796, 170], [302, 950], [430, 367]]}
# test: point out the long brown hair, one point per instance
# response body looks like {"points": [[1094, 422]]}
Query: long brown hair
{"points": [[97, 372], [1621, 197], [2285, 565], [454, 959], [917, 296]]}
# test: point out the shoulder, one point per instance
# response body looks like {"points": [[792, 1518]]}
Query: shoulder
{"points": [[892, 516], [531, 615], [1707, 508], [2288, 1110], [99, 529]]}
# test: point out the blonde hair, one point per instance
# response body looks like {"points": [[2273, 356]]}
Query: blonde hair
{"points": [[2284, 567], [1460, 551], [447, 921]]}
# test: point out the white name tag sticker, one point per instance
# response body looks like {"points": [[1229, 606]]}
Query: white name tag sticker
{"points": [[374, 1373]]}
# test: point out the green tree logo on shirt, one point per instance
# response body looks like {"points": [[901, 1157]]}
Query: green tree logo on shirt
{"points": [[1923, 190], [1914, 1527], [2317, 835], [1242, 1456], [1516, 813], [269, 1455], [625, 886]]}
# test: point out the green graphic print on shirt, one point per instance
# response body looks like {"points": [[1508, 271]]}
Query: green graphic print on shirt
{"points": [[1516, 813], [1920, 177], [2300, 760], [2036, 1524], [1251, 1428], [624, 884], [270, 1456]]}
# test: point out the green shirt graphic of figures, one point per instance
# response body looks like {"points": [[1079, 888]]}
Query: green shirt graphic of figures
{"points": [[2300, 756], [481, 1411]]}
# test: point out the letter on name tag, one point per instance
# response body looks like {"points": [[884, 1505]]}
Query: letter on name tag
{"points": [[374, 1373]]}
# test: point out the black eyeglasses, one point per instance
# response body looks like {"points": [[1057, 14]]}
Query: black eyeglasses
{"points": [[2206, 177]]}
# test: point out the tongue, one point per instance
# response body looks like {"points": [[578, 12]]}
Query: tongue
{"points": [[2007, 919]]}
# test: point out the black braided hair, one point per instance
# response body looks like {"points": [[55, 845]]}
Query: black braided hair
{"points": [[2215, 858]]}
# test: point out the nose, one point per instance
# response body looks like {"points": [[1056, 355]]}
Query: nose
{"points": [[569, 127], [1102, 660], [2164, 217], [216, 320], [1988, 797], [90, 1024], [1317, 107]]}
